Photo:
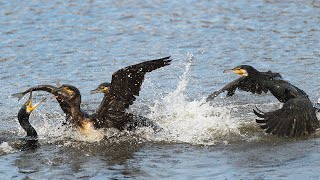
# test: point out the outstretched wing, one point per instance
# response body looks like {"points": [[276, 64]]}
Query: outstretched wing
{"points": [[249, 84], [230, 87], [50, 89], [296, 118], [125, 85]]}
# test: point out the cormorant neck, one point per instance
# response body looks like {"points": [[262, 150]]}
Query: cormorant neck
{"points": [[23, 118], [76, 114], [75, 109]]}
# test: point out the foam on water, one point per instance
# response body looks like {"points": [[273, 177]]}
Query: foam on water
{"points": [[194, 122], [6, 148]]}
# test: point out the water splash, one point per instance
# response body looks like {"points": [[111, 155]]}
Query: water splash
{"points": [[6, 148], [193, 122], [182, 120]]}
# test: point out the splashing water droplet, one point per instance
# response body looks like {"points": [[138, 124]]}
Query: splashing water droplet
{"points": [[192, 122]]}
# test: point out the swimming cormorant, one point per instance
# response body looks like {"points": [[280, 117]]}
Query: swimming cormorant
{"points": [[23, 117], [139, 121], [50, 89], [124, 86], [297, 116]]}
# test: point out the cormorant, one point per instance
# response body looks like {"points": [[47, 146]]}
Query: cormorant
{"points": [[297, 116], [140, 121], [23, 117], [50, 89], [124, 86]]}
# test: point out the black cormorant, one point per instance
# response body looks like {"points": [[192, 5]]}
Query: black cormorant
{"points": [[296, 118], [139, 121], [23, 117], [50, 89], [124, 86]]}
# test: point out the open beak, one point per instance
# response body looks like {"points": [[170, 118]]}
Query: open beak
{"points": [[29, 105]]}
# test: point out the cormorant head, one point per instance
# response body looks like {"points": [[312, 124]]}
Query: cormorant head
{"points": [[68, 93], [243, 70], [28, 104], [102, 88]]}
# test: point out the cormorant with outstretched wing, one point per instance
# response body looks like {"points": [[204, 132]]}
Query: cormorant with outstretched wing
{"points": [[50, 89], [297, 117], [125, 85]]}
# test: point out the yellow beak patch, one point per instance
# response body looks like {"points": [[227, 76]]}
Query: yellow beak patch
{"points": [[241, 72], [67, 90]]}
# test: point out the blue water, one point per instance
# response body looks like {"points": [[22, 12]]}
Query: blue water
{"points": [[83, 43]]}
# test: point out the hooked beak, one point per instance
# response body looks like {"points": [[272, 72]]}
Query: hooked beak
{"points": [[95, 91], [228, 71], [241, 72]]}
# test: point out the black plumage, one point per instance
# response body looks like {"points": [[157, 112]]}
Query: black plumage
{"points": [[23, 118], [296, 118], [125, 85], [50, 89]]}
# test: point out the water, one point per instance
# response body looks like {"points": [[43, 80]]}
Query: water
{"points": [[84, 43]]}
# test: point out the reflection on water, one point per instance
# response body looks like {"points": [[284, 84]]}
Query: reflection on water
{"points": [[83, 43], [76, 159]]}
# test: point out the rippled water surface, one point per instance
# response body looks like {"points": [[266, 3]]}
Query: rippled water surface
{"points": [[83, 43]]}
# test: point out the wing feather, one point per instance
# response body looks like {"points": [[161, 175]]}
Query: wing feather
{"points": [[296, 118], [125, 85], [250, 84]]}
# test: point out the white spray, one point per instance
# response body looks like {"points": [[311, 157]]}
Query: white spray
{"points": [[192, 122]]}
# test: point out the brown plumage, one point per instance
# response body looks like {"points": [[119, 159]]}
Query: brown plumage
{"points": [[125, 85]]}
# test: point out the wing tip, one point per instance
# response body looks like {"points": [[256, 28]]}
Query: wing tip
{"points": [[166, 60]]}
